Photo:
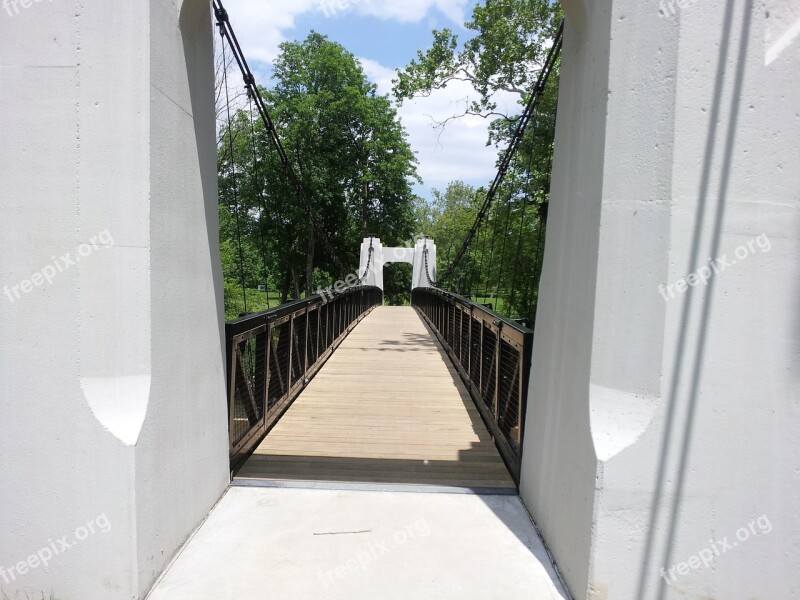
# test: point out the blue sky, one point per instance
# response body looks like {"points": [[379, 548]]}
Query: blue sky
{"points": [[384, 35]]}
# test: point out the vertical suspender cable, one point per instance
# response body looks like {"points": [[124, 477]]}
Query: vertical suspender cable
{"points": [[226, 30], [526, 201], [522, 124], [234, 181], [263, 202]]}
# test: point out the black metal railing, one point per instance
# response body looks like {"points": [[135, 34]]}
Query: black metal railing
{"points": [[273, 355], [493, 356]]}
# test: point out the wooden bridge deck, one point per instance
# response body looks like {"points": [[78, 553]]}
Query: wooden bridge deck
{"points": [[387, 408]]}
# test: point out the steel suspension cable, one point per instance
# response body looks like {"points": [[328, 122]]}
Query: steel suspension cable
{"points": [[485, 229], [509, 203], [370, 255], [235, 184], [263, 203], [491, 251], [542, 222], [525, 203], [472, 263], [226, 31], [524, 120]]}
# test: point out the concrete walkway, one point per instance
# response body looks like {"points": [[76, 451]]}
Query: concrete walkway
{"points": [[299, 544]]}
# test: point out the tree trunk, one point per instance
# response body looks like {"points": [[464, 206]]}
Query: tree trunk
{"points": [[285, 283], [310, 261], [365, 210]]}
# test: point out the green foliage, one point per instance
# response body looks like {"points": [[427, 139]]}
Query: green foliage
{"points": [[504, 262], [397, 284], [349, 150], [256, 300], [510, 43]]}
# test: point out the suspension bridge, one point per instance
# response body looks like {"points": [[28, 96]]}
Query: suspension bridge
{"points": [[569, 433], [339, 392], [384, 438]]}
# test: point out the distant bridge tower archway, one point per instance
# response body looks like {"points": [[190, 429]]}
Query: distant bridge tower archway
{"points": [[375, 256]]}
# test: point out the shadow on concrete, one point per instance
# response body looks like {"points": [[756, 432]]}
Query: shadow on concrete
{"points": [[682, 405]]}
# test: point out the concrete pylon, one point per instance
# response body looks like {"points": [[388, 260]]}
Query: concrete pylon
{"points": [[374, 257], [661, 457], [114, 443]]}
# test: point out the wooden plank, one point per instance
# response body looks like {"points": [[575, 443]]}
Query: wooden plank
{"points": [[388, 407]]}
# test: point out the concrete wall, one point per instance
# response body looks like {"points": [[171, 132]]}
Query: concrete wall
{"points": [[112, 366], [662, 423]]}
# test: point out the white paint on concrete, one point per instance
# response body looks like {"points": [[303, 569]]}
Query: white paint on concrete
{"points": [[119, 404], [618, 419], [347, 545], [371, 269], [113, 385], [654, 427], [782, 28]]}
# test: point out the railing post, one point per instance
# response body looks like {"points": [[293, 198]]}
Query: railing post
{"points": [[469, 343], [498, 344], [231, 387], [291, 353], [268, 333], [317, 335], [481, 354], [265, 395], [305, 344]]}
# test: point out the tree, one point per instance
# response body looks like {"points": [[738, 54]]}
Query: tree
{"points": [[349, 147], [351, 155], [506, 53]]}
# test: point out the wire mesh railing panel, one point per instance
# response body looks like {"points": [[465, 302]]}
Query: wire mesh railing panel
{"points": [[475, 352], [313, 351], [448, 333], [271, 356], [492, 354], [279, 362], [464, 342], [508, 408], [248, 395], [455, 334], [299, 347], [489, 366]]}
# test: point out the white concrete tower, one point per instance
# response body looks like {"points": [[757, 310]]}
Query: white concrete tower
{"points": [[374, 257], [113, 412], [665, 392]]}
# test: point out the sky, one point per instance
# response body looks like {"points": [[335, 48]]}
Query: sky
{"points": [[384, 35]]}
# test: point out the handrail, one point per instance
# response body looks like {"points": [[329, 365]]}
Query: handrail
{"points": [[271, 357], [492, 354]]}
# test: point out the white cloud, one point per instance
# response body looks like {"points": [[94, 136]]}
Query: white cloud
{"points": [[457, 152], [408, 11], [260, 25]]}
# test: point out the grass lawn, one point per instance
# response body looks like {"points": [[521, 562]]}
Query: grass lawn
{"points": [[498, 304], [256, 302]]}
